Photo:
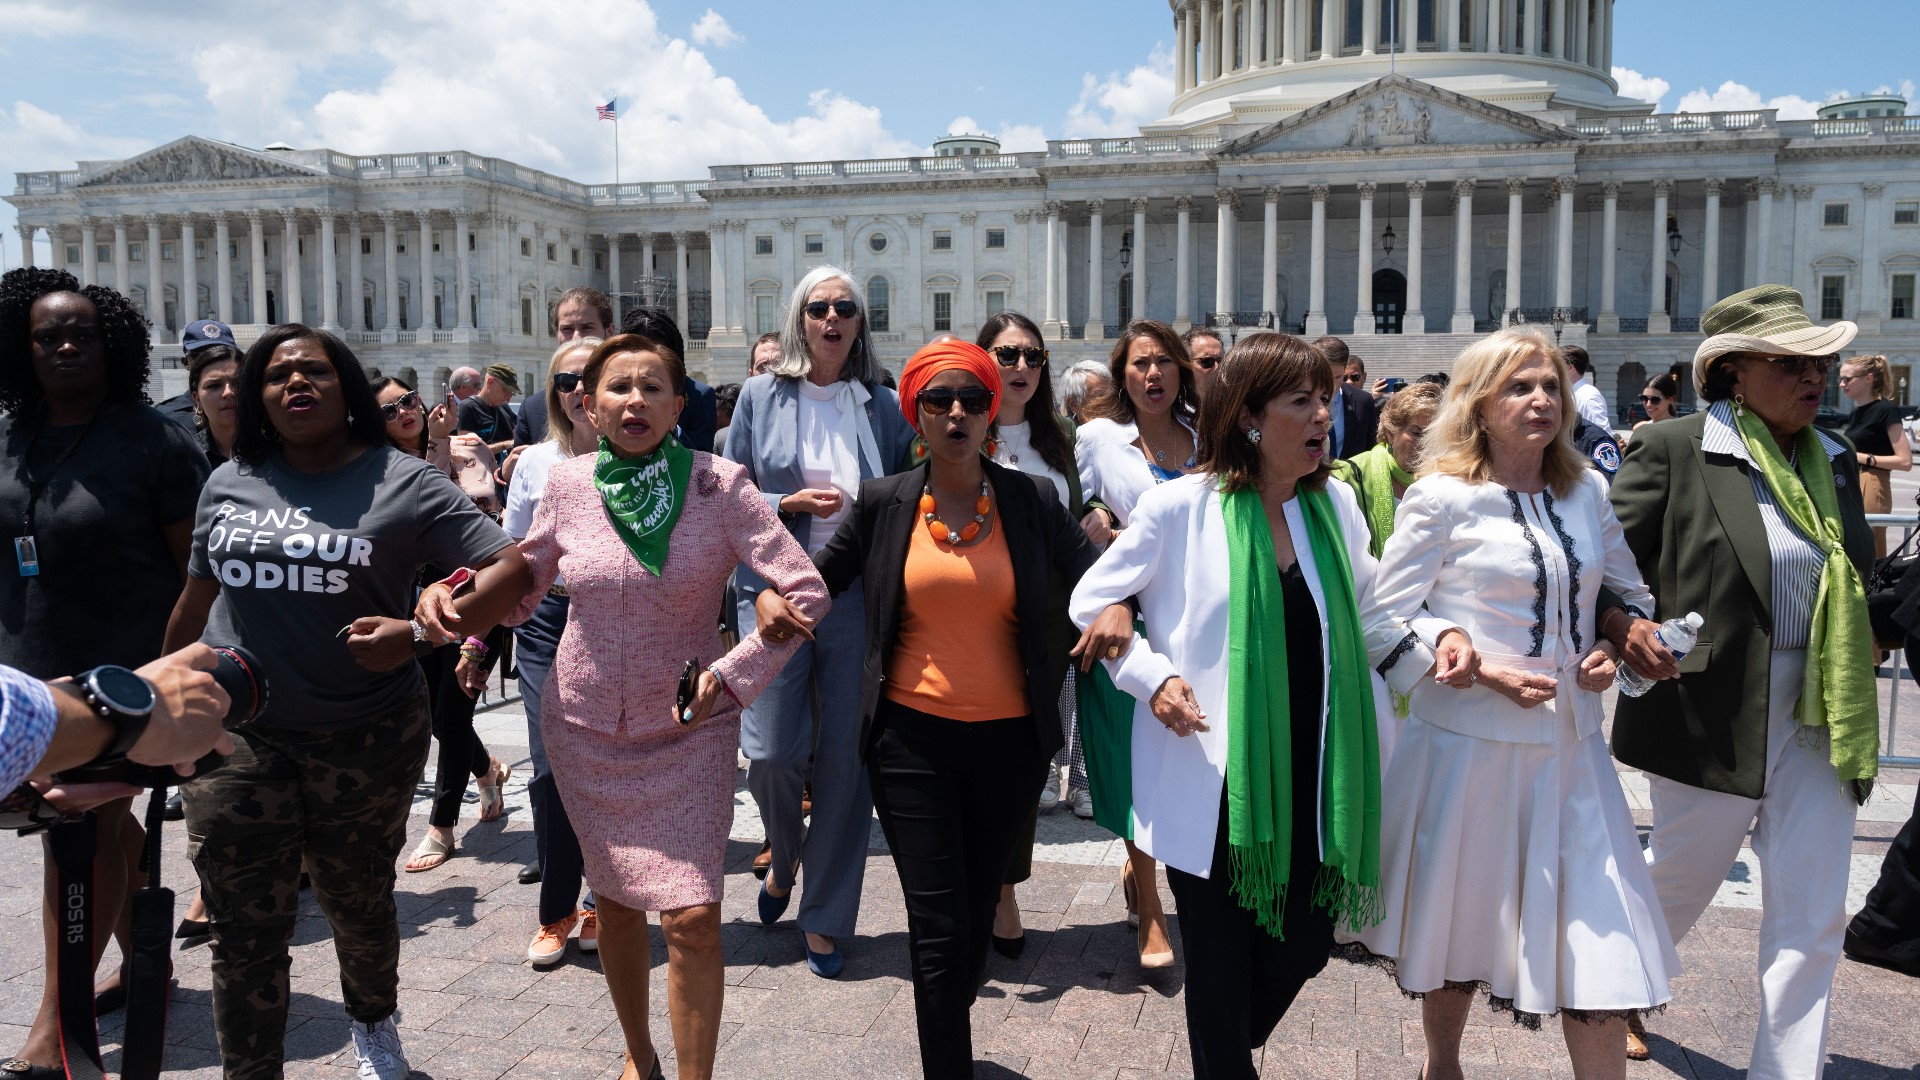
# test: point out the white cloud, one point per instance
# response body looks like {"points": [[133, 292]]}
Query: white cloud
{"points": [[1120, 103], [1736, 97], [963, 125], [1020, 138], [713, 30], [1641, 87], [37, 139]]}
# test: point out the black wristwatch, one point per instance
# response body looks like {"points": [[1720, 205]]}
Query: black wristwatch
{"points": [[121, 697]]}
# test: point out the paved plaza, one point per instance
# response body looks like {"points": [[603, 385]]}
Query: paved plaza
{"points": [[1076, 1005]]}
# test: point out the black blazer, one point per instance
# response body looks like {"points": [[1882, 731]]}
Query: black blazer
{"points": [[1042, 540], [1361, 420]]}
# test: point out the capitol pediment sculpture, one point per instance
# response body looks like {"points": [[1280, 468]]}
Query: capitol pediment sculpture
{"points": [[1393, 111], [193, 160]]}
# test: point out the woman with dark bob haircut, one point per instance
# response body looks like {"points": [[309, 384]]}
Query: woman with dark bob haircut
{"points": [[97, 489], [306, 548], [1256, 767]]}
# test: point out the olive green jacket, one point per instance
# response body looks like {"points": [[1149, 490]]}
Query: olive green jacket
{"points": [[1695, 529]]}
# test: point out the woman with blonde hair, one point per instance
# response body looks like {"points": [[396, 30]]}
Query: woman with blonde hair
{"points": [[1509, 859], [1878, 436], [1380, 476]]}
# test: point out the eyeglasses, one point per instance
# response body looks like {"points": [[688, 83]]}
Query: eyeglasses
{"points": [[1009, 355], [939, 399], [1651, 399], [1357, 377], [1206, 362], [1797, 365], [818, 309], [566, 381], [1851, 378], [391, 410]]}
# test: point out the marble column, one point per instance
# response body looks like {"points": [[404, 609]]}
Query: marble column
{"points": [[613, 274], [1209, 40], [1189, 49], [1050, 326], [223, 267], [1270, 251], [26, 243], [329, 274], [1363, 324], [1294, 34], [1370, 26], [189, 274], [356, 279], [89, 253], [1516, 196], [1317, 283], [156, 285], [1452, 38], [1183, 264], [1530, 45], [1330, 33], [1230, 49], [423, 292], [1139, 269], [1563, 188], [390, 296], [1763, 190], [646, 269], [1870, 312], [1580, 53], [463, 269], [1223, 250], [1063, 278], [1557, 41], [1414, 321], [1659, 319], [680, 280], [1710, 246], [966, 310], [1270, 55], [291, 285], [1799, 270], [717, 279], [1096, 329], [256, 270], [1462, 257], [1181, 51], [1608, 321], [122, 270]]}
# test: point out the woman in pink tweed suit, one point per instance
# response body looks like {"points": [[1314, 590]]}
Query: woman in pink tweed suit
{"points": [[651, 797]]}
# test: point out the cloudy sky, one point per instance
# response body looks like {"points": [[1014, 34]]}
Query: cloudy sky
{"points": [[703, 82]]}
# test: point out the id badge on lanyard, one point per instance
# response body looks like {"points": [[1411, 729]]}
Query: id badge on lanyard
{"points": [[26, 555]]}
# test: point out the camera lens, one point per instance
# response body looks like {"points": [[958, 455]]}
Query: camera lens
{"points": [[239, 673]]}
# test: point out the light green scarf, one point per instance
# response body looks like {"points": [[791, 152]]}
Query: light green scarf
{"points": [[1838, 692], [644, 497], [1259, 744], [1378, 473]]}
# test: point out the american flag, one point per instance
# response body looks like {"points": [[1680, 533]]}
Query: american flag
{"points": [[607, 112]]}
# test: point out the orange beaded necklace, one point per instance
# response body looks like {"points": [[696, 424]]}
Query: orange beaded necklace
{"points": [[944, 533]]}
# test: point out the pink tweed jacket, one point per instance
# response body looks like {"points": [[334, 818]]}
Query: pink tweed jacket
{"points": [[628, 632]]}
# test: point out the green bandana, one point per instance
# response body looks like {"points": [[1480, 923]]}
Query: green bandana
{"points": [[1838, 692], [644, 497], [1259, 746]]}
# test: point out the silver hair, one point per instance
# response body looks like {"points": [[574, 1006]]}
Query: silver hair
{"points": [[465, 378], [795, 362], [1078, 380]]}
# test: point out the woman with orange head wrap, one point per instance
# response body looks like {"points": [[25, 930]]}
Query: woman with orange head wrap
{"points": [[957, 718]]}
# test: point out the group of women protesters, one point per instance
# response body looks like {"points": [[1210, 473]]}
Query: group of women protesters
{"points": [[1359, 718]]}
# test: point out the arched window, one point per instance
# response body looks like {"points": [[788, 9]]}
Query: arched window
{"points": [[879, 305]]}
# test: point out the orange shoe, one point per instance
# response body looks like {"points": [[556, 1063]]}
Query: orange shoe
{"points": [[550, 944], [589, 939]]}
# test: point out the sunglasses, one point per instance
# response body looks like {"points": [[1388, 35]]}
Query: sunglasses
{"points": [[1797, 365], [1356, 378], [391, 410], [939, 399], [818, 309], [1009, 355], [566, 381], [1651, 399], [1205, 362]]}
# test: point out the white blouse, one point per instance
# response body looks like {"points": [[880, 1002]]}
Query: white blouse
{"points": [[1015, 450], [1112, 469], [820, 408], [1173, 556], [1521, 574]]}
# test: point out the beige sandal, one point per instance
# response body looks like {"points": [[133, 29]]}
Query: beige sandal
{"points": [[492, 803], [429, 848]]}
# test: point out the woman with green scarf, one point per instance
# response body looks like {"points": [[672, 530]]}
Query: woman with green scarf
{"points": [[1748, 514], [1255, 753], [1380, 475], [1509, 859]]}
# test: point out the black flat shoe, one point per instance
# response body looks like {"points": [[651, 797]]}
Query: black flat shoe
{"points": [[175, 811], [22, 1069], [1010, 947], [530, 874], [193, 928], [110, 1001]]}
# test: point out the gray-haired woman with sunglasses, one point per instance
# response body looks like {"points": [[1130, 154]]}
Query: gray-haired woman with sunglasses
{"points": [[809, 432]]}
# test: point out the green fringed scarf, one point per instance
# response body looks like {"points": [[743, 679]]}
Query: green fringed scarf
{"points": [[644, 497], [1259, 746], [1378, 473], [1838, 692]]}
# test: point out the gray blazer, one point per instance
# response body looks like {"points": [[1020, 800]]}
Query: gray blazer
{"points": [[765, 438]]}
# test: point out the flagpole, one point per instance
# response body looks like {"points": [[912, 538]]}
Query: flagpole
{"points": [[616, 151]]}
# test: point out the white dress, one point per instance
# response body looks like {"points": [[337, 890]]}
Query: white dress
{"points": [[1509, 858]]}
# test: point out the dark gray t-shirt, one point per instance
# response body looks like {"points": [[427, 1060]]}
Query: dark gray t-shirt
{"points": [[301, 555]]}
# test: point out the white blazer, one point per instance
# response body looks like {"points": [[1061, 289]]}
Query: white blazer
{"points": [[1520, 574], [1173, 557], [1112, 469]]}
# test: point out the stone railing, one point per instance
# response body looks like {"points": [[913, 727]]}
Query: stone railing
{"points": [[1678, 124], [1633, 326], [905, 168], [1262, 320], [1136, 146], [1685, 324], [663, 193], [1855, 127]]}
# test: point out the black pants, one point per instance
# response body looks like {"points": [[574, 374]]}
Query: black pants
{"points": [[556, 847], [1240, 979], [1890, 919], [953, 797], [462, 754]]}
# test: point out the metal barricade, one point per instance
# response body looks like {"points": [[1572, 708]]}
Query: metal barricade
{"points": [[1906, 523]]}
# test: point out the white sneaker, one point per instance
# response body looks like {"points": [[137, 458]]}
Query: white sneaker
{"points": [[377, 1046], [1082, 804], [1050, 795]]}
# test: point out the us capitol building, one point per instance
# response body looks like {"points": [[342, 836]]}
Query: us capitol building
{"points": [[1404, 173]]}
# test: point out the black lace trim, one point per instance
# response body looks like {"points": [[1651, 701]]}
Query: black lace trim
{"points": [[1356, 953], [1403, 648], [1573, 571], [1539, 629]]}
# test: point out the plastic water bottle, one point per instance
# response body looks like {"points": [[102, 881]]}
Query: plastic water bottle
{"points": [[1678, 635]]}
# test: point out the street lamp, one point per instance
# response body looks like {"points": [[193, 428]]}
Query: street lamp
{"points": [[1674, 239]]}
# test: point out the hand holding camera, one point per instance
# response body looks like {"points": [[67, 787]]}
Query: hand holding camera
{"points": [[189, 711]]}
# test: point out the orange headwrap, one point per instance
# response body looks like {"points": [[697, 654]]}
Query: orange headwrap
{"points": [[941, 356]]}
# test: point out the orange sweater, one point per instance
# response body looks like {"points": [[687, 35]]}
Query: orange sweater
{"points": [[958, 651]]}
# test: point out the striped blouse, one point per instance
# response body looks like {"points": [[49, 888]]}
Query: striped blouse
{"points": [[1797, 560]]}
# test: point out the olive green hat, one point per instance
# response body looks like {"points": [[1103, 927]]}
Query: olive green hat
{"points": [[1770, 320]]}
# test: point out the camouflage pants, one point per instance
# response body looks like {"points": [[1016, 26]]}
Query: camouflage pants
{"points": [[340, 800]]}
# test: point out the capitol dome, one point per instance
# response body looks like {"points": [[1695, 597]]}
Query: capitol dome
{"points": [[1240, 64]]}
